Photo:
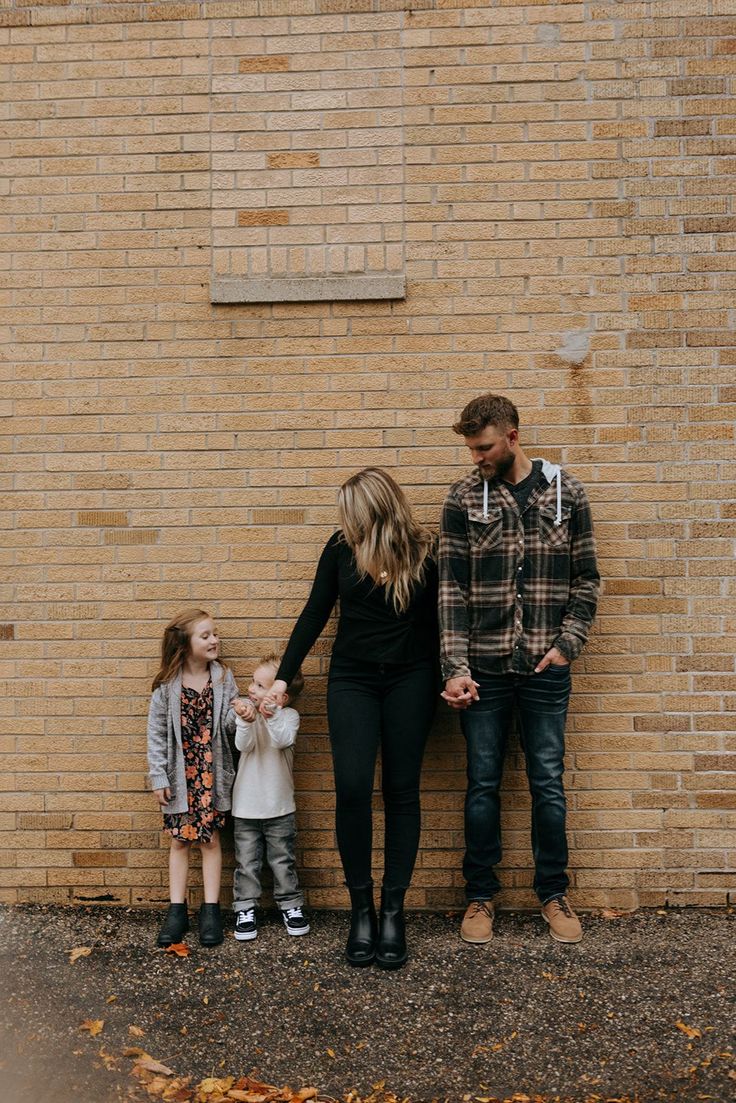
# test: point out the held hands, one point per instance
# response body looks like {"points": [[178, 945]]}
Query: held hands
{"points": [[460, 692], [552, 658], [275, 698], [245, 708], [163, 796]]}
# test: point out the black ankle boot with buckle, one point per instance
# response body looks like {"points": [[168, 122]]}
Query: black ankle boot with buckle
{"points": [[391, 950], [361, 944], [175, 925]]}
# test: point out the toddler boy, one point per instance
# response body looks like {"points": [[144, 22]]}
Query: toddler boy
{"points": [[263, 803]]}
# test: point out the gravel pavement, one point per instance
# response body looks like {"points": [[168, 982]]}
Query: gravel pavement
{"points": [[642, 1010]]}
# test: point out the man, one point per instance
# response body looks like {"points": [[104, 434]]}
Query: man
{"points": [[518, 593]]}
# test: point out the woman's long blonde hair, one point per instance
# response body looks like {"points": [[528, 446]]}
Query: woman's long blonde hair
{"points": [[175, 644], [378, 525]]}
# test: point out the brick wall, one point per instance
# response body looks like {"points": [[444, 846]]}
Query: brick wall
{"points": [[564, 216]]}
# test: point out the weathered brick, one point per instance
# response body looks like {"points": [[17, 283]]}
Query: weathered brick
{"points": [[263, 218], [269, 63]]}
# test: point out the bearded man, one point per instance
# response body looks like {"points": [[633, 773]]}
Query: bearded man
{"points": [[518, 593]]}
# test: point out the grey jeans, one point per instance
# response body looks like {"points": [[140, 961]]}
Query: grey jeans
{"points": [[277, 838]]}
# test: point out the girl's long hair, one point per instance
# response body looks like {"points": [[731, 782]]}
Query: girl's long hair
{"points": [[379, 527], [175, 644]]}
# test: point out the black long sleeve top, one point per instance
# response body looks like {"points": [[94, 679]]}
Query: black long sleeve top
{"points": [[369, 628]]}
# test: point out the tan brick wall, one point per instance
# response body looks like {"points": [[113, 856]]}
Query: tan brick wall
{"points": [[569, 232]]}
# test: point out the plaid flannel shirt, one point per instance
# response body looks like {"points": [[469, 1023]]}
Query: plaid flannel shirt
{"points": [[513, 585]]}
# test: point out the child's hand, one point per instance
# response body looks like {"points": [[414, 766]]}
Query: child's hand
{"points": [[163, 796], [272, 701], [245, 708]]}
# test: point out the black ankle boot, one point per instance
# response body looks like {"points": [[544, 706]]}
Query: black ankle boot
{"points": [[361, 944], [175, 925], [391, 949], [210, 925]]}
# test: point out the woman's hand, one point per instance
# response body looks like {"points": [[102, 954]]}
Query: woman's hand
{"points": [[460, 692], [163, 796], [275, 698]]}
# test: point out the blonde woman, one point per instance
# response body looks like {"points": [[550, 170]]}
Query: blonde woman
{"points": [[382, 689]]}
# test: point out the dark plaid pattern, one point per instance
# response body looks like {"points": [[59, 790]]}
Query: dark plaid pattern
{"points": [[513, 585]]}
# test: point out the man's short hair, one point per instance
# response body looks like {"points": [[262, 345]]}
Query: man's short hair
{"points": [[487, 409]]}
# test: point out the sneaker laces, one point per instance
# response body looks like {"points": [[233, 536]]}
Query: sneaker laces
{"points": [[246, 917], [293, 913]]}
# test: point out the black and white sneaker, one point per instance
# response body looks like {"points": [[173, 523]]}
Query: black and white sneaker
{"points": [[245, 925], [295, 921]]}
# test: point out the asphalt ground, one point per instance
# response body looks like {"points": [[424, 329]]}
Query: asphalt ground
{"points": [[642, 1010]]}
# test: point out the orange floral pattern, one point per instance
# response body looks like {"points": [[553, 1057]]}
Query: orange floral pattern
{"points": [[201, 819]]}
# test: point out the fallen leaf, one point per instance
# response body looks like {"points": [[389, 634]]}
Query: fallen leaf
{"points": [[179, 948], [109, 1060], [136, 1031], [79, 951], [331, 1052], [612, 913], [134, 1051], [212, 1089], [690, 1031], [146, 1062], [111, 999], [94, 1026]]}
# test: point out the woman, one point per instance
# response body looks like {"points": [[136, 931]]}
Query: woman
{"points": [[381, 691]]}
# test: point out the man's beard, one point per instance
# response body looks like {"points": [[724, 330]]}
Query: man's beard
{"points": [[498, 468]]}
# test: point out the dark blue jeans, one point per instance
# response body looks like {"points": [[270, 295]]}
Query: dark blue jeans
{"points": [[541, 703]]}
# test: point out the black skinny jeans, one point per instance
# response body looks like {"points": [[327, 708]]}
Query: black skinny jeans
{"points": [[390, 705]]}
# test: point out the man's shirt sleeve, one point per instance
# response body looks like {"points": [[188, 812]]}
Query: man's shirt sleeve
{"points": [[454, 575], [584, 582]]}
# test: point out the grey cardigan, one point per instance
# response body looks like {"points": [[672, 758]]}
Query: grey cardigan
{"points": [[165, 753]]}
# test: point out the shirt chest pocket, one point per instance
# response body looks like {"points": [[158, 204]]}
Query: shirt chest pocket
{"points": [[485, 531], [554, 533]]}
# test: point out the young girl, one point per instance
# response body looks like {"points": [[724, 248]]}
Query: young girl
{"points": [[190, 764]]}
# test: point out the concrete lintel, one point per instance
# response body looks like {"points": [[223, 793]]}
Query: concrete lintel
{"points": [[310, 289]]}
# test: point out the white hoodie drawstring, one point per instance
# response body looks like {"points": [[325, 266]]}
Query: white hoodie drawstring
{"points": [[485, 499]]}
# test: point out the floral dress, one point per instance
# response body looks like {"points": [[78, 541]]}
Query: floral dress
{"points": [[201, 818]]}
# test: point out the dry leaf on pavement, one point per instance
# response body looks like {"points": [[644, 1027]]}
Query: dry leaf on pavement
{"points": [[691, 1031], [180, 949], [94, 1026], [77, 952], [146, 1062]]}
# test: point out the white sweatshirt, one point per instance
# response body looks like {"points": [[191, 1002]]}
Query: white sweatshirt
{"points": [[264, 785]]}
